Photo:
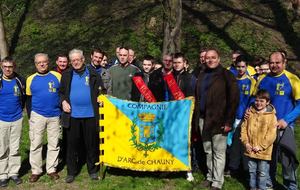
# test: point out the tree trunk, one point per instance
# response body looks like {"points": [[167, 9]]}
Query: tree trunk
{"points": [[172, 25], [3, 42]]}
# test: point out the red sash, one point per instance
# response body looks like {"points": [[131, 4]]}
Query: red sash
{"points": [[174, 88], [143, 88]]}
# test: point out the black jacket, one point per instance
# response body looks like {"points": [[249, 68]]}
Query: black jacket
{"points": [[157, 85], [186, 82], [96, 86]]}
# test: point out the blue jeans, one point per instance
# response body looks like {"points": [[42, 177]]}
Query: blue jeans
{"points": [[258, 170]]}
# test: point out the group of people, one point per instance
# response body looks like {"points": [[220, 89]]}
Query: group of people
{"points": [[241, 115]]}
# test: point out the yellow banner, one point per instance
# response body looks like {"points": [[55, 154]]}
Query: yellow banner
{"points": [[145, 136]]}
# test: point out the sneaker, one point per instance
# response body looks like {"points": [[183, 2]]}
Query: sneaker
{"points": [[189, 176], [69, 179], [269, 187], [3, 182], [16, 179], [227, 173], [94, 176]]}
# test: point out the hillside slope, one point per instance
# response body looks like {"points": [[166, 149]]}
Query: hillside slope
{"points": [[56, 26]]}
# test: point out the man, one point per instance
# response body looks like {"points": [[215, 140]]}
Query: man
{"points": [[186, 83], [132, 59], [235, 53], [121, 76], [43, 110], [12, 99], [184, 79], [80, 87], [141, 80], [62, 63], [217, 98], [115, 60], [285, 96], [97, 57], [157, 83], [200, 66]]}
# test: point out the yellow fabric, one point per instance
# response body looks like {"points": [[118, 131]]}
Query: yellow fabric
{"points": [[295, 83], [118, 149], [259, 130]]}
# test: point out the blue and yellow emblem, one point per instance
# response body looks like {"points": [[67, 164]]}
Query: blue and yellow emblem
{"points": [[146, 136]]}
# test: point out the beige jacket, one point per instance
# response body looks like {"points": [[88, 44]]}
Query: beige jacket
{"points": [[260, 130]]}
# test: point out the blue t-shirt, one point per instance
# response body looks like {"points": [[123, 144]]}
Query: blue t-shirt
{"points": [[44, 91], [246, 86], [285, 94], [10, 104], [80, 96]]}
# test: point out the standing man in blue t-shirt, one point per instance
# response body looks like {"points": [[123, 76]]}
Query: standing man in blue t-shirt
{"points": [[44, 111], [12, 98], [283, 87], [80, 87]]}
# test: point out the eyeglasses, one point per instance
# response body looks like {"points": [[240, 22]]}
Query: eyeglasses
{"points": [[76, 60], [41, 62]]}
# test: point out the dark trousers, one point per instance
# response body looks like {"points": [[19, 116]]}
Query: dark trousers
{"points": [[236, 152], [82, 132]]}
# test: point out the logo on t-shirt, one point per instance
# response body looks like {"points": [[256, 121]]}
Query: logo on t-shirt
{"points": [[51, 87], [245, 89], [16, 91], [279, 89], [87, 79]]}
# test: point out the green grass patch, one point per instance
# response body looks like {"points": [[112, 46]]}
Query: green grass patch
{"points": [[116, 179]]}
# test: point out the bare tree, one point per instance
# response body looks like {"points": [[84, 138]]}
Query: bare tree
{"points": [[172, 25], [3, 42]]}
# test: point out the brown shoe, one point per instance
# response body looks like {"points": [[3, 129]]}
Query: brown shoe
{"points": [[54, 176], [34, 178], [205, 184]]}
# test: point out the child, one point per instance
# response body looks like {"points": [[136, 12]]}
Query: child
{"points": [[258, 133]]}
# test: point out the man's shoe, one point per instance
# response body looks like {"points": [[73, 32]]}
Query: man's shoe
{"points": [[69, 179], [94, 176], [3, 182], [16, 179], [54, 176], [34, 178], [205, 184], [189, 176]]}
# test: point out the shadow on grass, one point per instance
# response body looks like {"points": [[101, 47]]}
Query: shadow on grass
{"points": [[140, 174]]}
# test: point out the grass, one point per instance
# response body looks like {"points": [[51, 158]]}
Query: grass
{"points": [[116, 179]]}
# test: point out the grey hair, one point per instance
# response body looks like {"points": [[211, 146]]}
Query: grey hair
{"points": [[41, 55], [73, 51]]}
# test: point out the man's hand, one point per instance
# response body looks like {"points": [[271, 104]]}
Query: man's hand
{"points": [[281, 124], [66, 106], [247, 114]]}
